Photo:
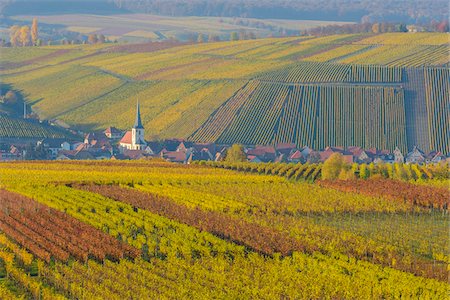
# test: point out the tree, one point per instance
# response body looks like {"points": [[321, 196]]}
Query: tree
{"points": [[236, 154], [333, 166], [10, 98], [92, 39], [213, 38], [34, 32], [234, 36], [364, 172], [14, 34], [25, 35], [200, 38], [376, 28], [101, 39]]}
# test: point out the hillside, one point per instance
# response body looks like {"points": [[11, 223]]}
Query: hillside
{"points": [[373, 91], [12, 127]]}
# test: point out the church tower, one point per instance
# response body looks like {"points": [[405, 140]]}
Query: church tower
{"points": [[137, 132]]}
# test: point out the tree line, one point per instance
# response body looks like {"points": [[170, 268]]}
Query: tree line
{"points": [[24, 35]]}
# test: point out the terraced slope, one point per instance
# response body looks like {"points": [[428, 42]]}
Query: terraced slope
{"points": [[209, 91]]}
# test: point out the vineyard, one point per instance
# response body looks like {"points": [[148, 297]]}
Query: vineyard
{"points": [[13, 127], [387, 90], [141, 230]]}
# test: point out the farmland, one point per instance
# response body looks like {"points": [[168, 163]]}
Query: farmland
{"points": [[143, 27], [197, 231], [18, 128], [393, 86]]}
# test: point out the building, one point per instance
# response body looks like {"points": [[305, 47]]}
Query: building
{"points": [[416, 156], [134, 139], [113, 133], [398, 156]]}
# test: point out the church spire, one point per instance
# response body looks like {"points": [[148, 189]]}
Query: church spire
{"points": [[138, 123]]}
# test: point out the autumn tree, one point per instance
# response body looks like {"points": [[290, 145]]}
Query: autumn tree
{"points": [[200, 38], [92, 39], [234, 36], [14, 34], [10, 98], [25, 35], [376, 28], [213, 38], [34, 32], [236, 154], [364, 172], [333, 166], [101, 39]]}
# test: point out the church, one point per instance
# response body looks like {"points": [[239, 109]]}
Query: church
{"points": [[134, 138]]}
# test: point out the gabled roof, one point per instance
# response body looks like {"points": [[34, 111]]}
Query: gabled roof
{"points": [[127, 138], [112, 130], [296, 155], [171, 145], [134, 154], [175, 156], [262, 150], [52, 143], [416, 150], [282, 146]]}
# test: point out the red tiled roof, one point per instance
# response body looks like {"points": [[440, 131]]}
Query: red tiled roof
{"points": [[176, 156], [261, 150], [285, 146], [348, 158], [296, 155], [126, 138], [134, 154], [111, 130]]}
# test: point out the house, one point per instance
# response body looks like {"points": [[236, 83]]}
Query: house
{"points": [[366, 157], [253, 158], [306, 151], [346, 155], [153, 148], [264, 153], [398, 156], [52, 146], [134, 154], [198, 147], [438, 157], [175, 156], [296, 157], [285, 148], [416, 156], [112, 133], [185, 146], [221, 153], [10, 153], [203, 154], [80, 154], [134, 139], [171, 145]]}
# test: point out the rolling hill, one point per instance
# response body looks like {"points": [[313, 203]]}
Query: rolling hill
{"points": [[386, 91]]}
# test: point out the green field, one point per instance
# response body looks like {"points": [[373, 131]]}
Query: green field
{"points": [[145, 27], [379, 91], [154, 229]]}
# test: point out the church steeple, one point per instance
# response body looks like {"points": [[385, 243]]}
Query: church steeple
{"points": [[137, 122]]}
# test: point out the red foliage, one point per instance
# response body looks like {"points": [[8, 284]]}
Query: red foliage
{"points": [[420, 195], [259, 238], [48, 233]]}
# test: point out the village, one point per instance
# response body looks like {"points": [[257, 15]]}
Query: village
{"points": [[115, 144]]}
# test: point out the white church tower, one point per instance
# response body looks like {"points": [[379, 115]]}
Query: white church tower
{"points": [[137, 132], [134, 138]]}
